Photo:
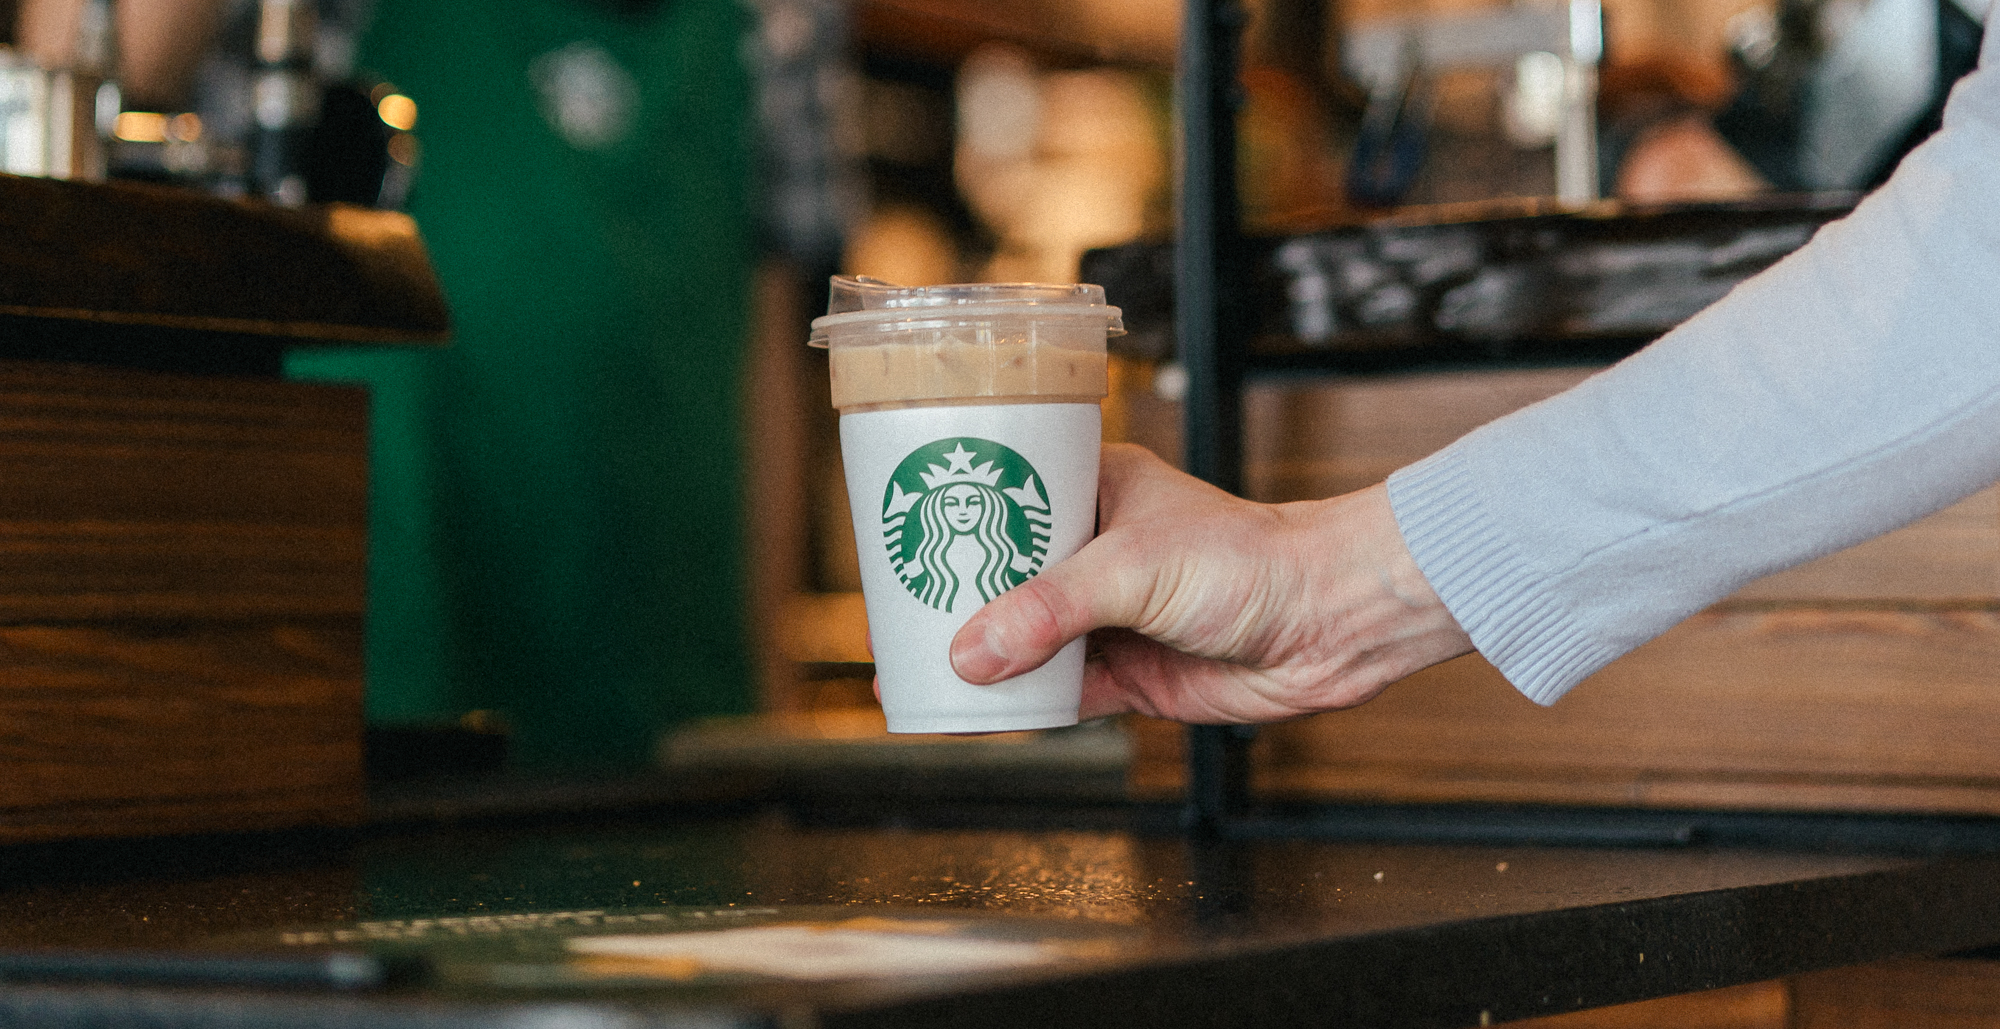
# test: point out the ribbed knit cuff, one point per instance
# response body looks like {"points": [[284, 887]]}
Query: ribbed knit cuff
{"points": [[1497, 597]]}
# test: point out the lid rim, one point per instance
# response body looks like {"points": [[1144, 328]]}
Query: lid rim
{"points": [[970, 312], [847, 294]]}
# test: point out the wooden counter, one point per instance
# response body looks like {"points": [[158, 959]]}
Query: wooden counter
{"points": [[1145, 928]]}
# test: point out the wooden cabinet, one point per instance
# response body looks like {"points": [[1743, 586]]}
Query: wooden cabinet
{"points": [[183, 534], [182, 567]]}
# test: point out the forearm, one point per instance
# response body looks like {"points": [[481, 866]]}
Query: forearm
{"points": [[1852, 388]]}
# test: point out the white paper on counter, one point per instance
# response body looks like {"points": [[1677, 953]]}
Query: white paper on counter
{"points": [[812, 953]]}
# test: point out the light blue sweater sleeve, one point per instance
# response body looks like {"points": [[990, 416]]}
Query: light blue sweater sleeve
{"points": [[1849, 389]]}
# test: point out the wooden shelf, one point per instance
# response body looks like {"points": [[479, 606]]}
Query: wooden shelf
{"points": [[944, 31], [127, 256]]}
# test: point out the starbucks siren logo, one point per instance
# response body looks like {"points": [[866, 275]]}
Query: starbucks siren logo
{"points": [[965, 520]]}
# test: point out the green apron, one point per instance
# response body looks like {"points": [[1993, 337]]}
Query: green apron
{"points": [[556, 510]]}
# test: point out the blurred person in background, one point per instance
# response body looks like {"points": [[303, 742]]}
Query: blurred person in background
{"points": [[558, 497], [1828, 95]]}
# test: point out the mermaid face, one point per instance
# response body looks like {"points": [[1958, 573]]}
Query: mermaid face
{"points": [[962, 506]]}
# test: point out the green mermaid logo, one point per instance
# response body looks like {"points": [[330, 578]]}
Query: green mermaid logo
{"points": [[965, 520]]}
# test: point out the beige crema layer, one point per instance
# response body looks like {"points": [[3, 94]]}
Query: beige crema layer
{"points": [[898, 373]]}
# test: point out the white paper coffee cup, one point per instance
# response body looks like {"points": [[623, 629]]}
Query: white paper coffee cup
{"points": [[953, 506], [970, 430]]}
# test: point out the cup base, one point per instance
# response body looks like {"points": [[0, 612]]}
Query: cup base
{"points": [[958, 723]]}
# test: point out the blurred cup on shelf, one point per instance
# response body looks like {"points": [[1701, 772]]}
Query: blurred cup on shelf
{"points": [[969, 428]]}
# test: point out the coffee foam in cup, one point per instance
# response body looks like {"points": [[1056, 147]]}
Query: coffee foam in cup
{"points": [[979, 341]]}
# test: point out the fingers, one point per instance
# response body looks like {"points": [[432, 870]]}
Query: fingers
{"points": [[1022, 628], [1249, 612], [1104, 691], [1131, 673], [1110, 582]]}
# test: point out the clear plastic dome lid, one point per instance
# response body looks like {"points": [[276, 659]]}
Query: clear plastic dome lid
{"points": [[861, 293], [862, 299]]}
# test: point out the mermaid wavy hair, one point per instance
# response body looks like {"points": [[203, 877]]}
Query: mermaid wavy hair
{"points": [[940, 589]]}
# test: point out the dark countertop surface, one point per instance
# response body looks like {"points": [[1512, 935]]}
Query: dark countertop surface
{"points": [[1097, 927]]}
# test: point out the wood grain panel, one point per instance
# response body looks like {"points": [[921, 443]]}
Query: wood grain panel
{"points": [[130, 495], [108, 730], [1810, 709], [1765, 1005], [1920, 994]]}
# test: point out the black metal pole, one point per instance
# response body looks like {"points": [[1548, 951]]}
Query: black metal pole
{"points": [[1209, 293], [1208, 274]]}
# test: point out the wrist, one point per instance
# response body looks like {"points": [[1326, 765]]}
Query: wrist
{"points": [[1386, 620]]}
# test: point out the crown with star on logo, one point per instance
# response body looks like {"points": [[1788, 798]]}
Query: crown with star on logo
{"points": [[959, 468]]}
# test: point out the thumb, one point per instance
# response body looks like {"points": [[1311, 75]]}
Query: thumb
{"points": [[1019, 630]]}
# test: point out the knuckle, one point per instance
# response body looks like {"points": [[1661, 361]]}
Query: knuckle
{"points": [[1044, 608], [1025, 618]]}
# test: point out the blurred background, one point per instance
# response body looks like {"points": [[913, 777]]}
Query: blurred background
{"points": [[611, 511]]}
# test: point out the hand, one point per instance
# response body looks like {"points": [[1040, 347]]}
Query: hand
{"points": [[1215, 609]]}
